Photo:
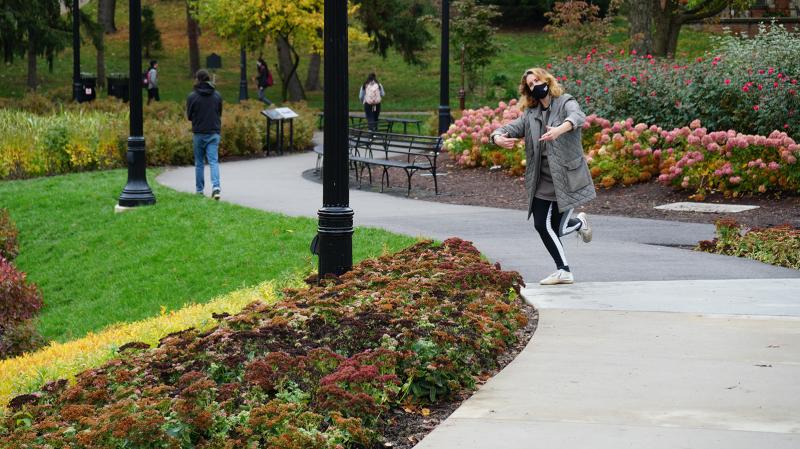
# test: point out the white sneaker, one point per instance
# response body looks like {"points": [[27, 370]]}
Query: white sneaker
{"points": [[585, 231], [559, 277]]}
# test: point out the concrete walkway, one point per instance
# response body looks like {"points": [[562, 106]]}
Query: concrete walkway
{"points": [[631, 356]]}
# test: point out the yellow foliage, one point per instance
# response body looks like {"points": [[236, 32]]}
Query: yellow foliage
{"points": [[253, 21], [28, 372]]}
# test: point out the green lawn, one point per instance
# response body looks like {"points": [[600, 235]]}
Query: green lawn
{"points": [[408, 88], [95, 267]]}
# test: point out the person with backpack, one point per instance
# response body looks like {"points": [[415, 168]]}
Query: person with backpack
{"points": [[264, 79], [151, 81], [204, 109], [371, 94]]}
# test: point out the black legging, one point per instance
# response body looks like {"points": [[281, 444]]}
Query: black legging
{"points": [[372, 112], [552, 224]]}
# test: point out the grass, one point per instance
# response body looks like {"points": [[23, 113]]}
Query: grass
{"points": [[96, 268], [408, 88]]}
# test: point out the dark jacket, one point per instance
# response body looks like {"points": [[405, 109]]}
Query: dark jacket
{"points": [[204, 109], [262, 75]]}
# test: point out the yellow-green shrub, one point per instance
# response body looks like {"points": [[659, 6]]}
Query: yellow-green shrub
{"points": [[29, 372], [85, 137], [35, 145]]}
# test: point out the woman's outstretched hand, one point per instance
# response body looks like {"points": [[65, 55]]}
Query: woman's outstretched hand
{"points": [[554, 132], [502, 140]]}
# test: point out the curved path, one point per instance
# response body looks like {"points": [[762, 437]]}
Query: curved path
{"points": [[654, 346]]}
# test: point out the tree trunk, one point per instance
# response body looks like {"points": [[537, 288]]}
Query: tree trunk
{"points": [[640, 16], [672, 36], [292, 89], [312, 80], [192, 32], [106, 10], [666, 20], [32, 76]]}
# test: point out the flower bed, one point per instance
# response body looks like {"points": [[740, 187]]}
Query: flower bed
{"points": [[74, 140], [779, 245], [29, 372], [322, 368], [750, 86], [690, 158]]}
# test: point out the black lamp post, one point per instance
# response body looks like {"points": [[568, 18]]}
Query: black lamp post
{"points": [[136, 192], [336, 217], [76, 51], [444, 82], [243, 77]]}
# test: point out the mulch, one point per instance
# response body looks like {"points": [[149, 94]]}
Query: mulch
{"points": [[482, 187]]}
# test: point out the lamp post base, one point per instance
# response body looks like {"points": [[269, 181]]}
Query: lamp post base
{"points": [[335, 240], [444, 119], [137, 192], [77, 94]]}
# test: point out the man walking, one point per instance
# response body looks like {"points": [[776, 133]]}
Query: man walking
{"points": [[204, 109]]}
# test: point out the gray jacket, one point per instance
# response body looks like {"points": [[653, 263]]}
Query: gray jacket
{"points": [[568, 167], [152, 78]]}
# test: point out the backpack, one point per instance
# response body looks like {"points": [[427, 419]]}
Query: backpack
{"points": [[270, 81], [372, 94], [145, 79]]}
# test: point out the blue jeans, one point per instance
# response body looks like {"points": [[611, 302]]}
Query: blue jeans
{"points": [[206, 146]]}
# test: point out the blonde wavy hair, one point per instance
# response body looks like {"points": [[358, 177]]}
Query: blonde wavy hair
{"points": [[526, 100]]}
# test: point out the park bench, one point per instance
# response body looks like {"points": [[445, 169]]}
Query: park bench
{"points": [[408, 152], [385, 124]]}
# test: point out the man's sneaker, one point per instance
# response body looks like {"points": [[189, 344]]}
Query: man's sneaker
{"points": [[559, 277], [215, 194], [585, 231]]}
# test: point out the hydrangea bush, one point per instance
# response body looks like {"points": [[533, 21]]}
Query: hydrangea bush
{"points": [[625, 152], [692, 158]]}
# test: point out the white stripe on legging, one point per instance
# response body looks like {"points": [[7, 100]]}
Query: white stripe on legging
{"points": [[565, 220], [553, 235]]}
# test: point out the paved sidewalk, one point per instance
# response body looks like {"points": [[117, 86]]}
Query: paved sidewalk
{"points": [[631, 356]]}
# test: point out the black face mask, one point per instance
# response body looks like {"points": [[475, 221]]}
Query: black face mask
{"points": [[540, 91]]}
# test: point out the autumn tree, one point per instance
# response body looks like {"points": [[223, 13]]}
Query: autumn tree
{"points": [[287, 24], [296, 25]]}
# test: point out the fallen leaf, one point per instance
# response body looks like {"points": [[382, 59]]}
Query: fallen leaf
{"points": [[425, 412]]}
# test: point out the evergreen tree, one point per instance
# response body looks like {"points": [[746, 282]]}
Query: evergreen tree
{"points": [[472, 30], [151, 36], [32, 28]]}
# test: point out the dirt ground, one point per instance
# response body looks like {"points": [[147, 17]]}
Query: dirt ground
{"points": [[481, 187]]}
